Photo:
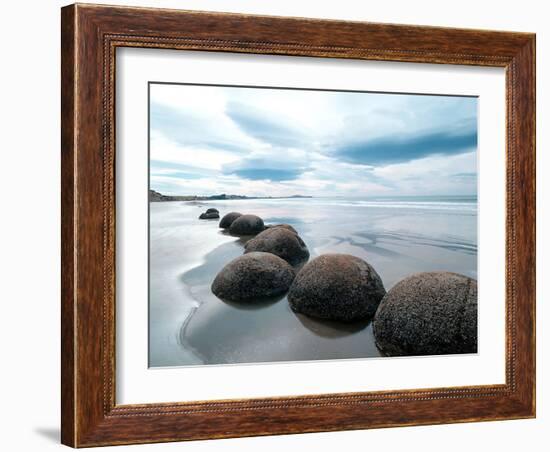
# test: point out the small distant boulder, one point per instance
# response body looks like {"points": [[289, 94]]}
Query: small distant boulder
{"points": [[253, 276], [430, 313], [247, 225], [212, 210], [228, 219], [283, 225], [337, 287], [279, 241], [209, 216]]}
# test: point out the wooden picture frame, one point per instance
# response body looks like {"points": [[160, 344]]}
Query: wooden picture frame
{"points": [[90, 36]]}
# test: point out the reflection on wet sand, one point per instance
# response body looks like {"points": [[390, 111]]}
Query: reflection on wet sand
{"points": [[329, 328]]}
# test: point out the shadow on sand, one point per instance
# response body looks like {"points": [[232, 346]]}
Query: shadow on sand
{"points": [[331, 329], [253, 305]]}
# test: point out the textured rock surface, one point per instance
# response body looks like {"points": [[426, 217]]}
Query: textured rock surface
{"points": [[279, 241], [283, 225], [228, 219], [253, 276], [212, 210], [428, 314], [209, 216], [337, 287], [247, 225]]}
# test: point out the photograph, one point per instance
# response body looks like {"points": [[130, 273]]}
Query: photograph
{"points": [[292, 224]]}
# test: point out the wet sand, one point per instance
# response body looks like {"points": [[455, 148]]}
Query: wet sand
{"points": [[190, 326]]}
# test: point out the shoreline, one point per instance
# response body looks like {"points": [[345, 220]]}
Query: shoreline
{"points": [[155, 196]]}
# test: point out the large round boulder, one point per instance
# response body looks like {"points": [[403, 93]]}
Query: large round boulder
{"points": [[279, 241], [430, 313], [212, 210], [337, 287], [228, 219], [253, 276], [209, 216], [247, 225]]}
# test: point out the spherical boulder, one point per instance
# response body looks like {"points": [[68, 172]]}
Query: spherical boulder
{"points": [[279, 241], [337, 287], [247, 225], [253, 276], [228, 219], [282, 225], [431, 313], [212, 210], [209, 216]]}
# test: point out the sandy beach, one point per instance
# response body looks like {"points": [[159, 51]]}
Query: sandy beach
{"points": [[189, 325]]}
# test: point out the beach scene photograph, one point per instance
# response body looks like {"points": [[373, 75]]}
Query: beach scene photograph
{"points": [[294, 224]]}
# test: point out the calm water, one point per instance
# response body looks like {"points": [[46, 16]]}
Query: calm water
{"points": [[190, 326]]}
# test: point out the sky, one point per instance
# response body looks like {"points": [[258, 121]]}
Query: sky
{"points": [[207, 140]]}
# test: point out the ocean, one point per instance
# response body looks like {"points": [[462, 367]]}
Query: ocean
{"points": [[398, 236]]}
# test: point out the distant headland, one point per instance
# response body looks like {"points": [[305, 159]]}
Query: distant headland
{"points": [[155, 196]]}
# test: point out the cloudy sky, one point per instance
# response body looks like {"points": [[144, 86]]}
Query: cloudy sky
{"points": [[208, 140]]}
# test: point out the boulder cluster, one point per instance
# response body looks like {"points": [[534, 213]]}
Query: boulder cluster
{"points": [[424, 314], [266, 267]]}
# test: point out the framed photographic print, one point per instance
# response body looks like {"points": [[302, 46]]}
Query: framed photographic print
{"points": [[282, 225]]}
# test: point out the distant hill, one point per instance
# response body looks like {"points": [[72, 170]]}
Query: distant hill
{"points": [[155, 196]]}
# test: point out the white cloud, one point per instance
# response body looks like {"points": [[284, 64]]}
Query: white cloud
{"points": [[282, 142], [165, 150]]}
